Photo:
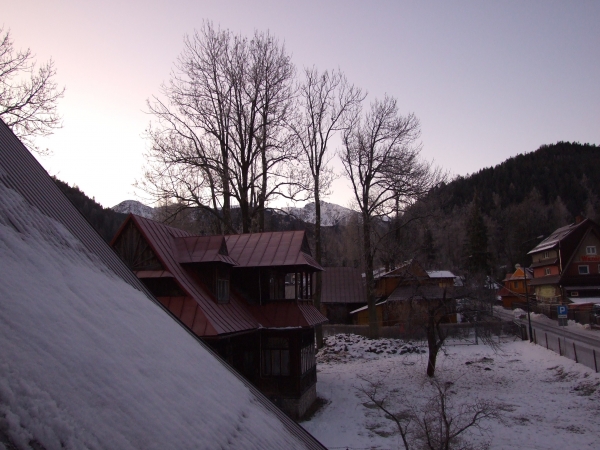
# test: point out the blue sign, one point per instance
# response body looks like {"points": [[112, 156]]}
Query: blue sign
{"points": [[562, 311]]}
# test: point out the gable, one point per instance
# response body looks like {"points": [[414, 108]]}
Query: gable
{"points": [[134, 250]]}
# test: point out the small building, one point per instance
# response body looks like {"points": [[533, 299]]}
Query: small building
{"points": [[403, 288], [515, 283], [566, 265], [343, 290], [247, 296]]}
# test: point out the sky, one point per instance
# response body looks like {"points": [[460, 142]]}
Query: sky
{"points": [[487, 80]]}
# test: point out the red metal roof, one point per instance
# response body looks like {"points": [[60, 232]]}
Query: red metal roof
{"points": [[199, 310], [290, 314], [343, 285], [192, 249], [277, 248]]}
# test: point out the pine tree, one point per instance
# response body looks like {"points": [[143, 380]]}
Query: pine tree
{"points": [[476, 243]]}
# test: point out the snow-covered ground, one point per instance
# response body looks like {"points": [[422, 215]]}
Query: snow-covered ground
{"points": [[547, 401]]}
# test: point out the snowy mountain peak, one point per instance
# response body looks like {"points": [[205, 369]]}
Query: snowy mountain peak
{"points": [[331, 214], [134, 207]]}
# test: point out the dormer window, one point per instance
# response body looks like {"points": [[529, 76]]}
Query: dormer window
{"points": [[590, 250], [222, 290], [584, 270]]}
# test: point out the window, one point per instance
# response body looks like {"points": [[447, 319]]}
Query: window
{"points": [[548, 271], [515, 284], [546, 254], [307, 358], [222, 290], [276, 357], [584, 270], [575, 294]]}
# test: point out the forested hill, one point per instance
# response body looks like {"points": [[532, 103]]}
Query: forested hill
{"points": [[104, 220], [566, 170], [500, 213]]}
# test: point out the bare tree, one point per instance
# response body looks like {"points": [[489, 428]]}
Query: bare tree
{"points": [[381, 160], [28, 95], [327, 101], [431, 310], [440, 423], [221, 139]]}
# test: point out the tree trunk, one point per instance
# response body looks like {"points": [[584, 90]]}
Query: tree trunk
{"points": [[432, 344], [319, 277], [370, 279]]}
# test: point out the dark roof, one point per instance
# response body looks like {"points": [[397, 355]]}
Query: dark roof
{"points": [[539, 281], [560, 235], [199, 309], [517, 275], [277, 248], [195, 249], [343, 285], [426, 291], [409, 270], [544, 262], [287, 314]]}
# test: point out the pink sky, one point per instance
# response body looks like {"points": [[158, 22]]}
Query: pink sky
{"points": [[488, 80]]}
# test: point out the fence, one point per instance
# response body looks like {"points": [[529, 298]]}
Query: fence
{"points": [[564, 346], [456, 334]]}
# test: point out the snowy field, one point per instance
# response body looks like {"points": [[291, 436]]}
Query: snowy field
{"points": [[546, 401]]}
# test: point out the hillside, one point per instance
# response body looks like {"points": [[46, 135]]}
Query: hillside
{"points": [[566, 170], [105, 221], [524, 197]]}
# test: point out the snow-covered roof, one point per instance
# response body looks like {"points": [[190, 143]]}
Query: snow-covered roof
{"points": [[584, 300], [440, 274], [88, 361]]}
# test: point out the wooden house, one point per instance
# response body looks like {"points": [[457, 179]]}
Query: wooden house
{"points": [[248, 296], [401, 289], [566, 265], [515, 283], [343, 290]]}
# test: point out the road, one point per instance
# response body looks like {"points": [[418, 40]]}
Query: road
{"points": [[576, 343]]}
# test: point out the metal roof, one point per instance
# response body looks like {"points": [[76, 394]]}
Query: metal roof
{"points": [[199, 309], [440, 274], [343, 285], [195, 249], [418, 292], [271, 249], [558, 235], [289, 314]]}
